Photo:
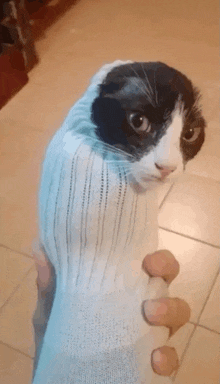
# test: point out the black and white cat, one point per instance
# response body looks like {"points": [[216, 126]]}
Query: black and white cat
{"points": [[136, 124], [150, 111]]}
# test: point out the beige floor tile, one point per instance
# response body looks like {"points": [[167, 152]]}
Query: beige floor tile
{"points": [[15, 368], [22, 146], [22, 151], [199, 264], [201, 362], [13, 268], [211, 314], [37, 108], [205, 165], [19, 213], [209, 101], [20, 224], [162, 191], [16, 316], [145, 32], [192, 208]]}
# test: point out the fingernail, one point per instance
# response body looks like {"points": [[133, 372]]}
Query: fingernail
{"points": [[166, 363], [156, 262], [154, 309], [157, 356]]}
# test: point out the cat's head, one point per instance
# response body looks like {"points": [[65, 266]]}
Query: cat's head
{"points": [[150, 111]]}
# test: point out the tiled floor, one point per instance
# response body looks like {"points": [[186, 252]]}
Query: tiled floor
{"points": [[183, 34]]}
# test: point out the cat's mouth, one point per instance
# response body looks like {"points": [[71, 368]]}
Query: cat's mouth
{"points": [[148, 180], [163, 178], [153, 178]]}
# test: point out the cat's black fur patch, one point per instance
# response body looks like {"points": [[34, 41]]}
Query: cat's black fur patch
{"points": [[153, 89]]}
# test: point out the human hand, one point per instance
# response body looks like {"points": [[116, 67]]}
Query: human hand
{"points": [[169, 312], [43, 265]]}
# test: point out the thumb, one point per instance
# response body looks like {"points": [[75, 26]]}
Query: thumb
{"points": [[43, 266]]}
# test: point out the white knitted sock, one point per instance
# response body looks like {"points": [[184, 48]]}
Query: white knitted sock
{"points": [[96, 229]]}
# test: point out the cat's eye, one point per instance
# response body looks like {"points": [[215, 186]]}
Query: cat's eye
{"points": [[139, 122], [191, 134]]}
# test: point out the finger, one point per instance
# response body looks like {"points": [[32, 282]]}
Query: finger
{"points": [[161, 264], [38, 253], [44, 276], [43, 266], [172, 313], [164, 361]]}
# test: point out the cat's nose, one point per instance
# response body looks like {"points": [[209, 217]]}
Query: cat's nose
{"points": [[165, 170]]}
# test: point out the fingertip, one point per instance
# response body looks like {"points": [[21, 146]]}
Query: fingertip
{"points": [[165, 361], [163, 264]]}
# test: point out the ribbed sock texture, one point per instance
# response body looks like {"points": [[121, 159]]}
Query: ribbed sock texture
{"points": [[96, 229]]}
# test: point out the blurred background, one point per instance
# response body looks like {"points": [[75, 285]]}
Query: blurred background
{"points": [[48, 52]]}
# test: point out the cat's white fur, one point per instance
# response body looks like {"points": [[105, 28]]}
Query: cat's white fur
{"points": [[166, 154]]}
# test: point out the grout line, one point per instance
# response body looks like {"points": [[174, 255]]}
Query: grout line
{"points": [[16, 288], [203, 326], [185, 351], [196, 325], [16, 349], [207, 298], [194, 175], [191, 238], [14, 250], [188, 344], [169, 190]]}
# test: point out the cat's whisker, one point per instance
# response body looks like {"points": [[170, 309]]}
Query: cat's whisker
{"points": [[155, 87], [145, 91], [115, 161], [115, 150], [103, 146], [153, 95], [149, 91], [146, 77], [195, 108], [122, 158]]}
